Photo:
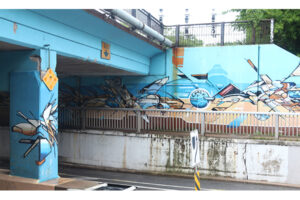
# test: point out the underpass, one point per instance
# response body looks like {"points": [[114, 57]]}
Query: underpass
{"points": [[125, 102]]}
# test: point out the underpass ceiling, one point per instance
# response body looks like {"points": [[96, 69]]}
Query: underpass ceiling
{"points": [[67, 66], [11, 47]]}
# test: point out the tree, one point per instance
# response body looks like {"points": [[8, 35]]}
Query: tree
{"points": [[286, 25]]}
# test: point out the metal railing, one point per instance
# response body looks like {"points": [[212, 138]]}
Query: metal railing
{"points": [[147, 18], [207, 122], [223, 33], [205, 34]]}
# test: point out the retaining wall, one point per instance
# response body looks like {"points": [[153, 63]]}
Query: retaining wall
{"points": [[261, 160], [244, 159]]}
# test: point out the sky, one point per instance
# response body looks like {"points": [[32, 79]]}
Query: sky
{"points": [[173, 16]]}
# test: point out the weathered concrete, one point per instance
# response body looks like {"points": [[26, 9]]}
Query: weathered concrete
{"points": [[242, 159]]}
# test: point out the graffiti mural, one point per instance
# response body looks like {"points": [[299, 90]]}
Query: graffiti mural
{"points": [[195, 91], [113, 93], [211, 87], [264, 95], [45, 129]]}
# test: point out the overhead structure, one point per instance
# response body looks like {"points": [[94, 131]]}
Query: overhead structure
{"points": [[141, 26]]}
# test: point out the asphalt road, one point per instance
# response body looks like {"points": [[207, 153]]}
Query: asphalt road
{"points": [[146, 182], [157, 182]]}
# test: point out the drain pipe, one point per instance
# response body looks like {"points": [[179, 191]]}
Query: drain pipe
{"points": [[141, 26]]}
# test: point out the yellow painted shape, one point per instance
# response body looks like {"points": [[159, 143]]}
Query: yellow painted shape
{"points": [[105, 51], [50, 79]]}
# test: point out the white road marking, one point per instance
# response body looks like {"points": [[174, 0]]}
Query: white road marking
{"points": [[143, 183], [96, 186]]}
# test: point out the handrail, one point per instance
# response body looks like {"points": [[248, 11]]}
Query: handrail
{"points": [[184, 111], [215, 23], [262, 124]]}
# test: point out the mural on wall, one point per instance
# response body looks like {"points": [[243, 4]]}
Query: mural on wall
{"points": [[186, 87], [267, 95], [45, 129], [209, 91], [113, 93]]}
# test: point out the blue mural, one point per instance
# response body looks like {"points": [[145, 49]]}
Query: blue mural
{"points": [[219, 79]]}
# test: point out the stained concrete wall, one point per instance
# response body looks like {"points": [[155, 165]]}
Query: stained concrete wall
{"points": [[260, 160], [243, 159]]}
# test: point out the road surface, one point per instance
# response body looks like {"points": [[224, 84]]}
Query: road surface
{"points": [[158, 182], [146, 182]]}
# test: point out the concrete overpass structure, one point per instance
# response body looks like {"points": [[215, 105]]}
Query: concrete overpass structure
{"points": [[69, 42], [88, 60]]}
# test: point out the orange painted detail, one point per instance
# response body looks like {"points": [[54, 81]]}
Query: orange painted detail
{"points": [[178, 52], [177, 58], [15, 27], [40, 162], [105, 51], [178, 61], [50, 79]]}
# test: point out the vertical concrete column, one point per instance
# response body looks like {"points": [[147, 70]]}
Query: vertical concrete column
{"points": [[33, 118]]}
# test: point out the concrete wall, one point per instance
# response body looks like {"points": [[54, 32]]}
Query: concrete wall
{"points": [[259, 160], [243, 159]]}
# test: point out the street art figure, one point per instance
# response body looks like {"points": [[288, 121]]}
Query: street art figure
{"points": [[32, 127], [149, 96], [114, 94], [277, 95]]}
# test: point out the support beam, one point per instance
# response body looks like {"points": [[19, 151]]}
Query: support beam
{"points": [[33, 117], [34, 31]]}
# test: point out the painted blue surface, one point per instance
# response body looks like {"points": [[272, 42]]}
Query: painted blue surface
{"points": [[158, 65], [237, 121], [78, 35], [33, 119], [223, 64], [10, 61], [92, 25], [22, 86]]}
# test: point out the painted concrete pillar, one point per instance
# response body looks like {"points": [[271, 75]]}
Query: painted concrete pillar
{"points": [[33, 118]]}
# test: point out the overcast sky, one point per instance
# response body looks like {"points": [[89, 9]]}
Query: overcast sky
{"points": [[197, 15]]}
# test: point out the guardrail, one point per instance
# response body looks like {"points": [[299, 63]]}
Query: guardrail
{"points": [[205, 34], [147, 18], [223, 33], [207, 122]]}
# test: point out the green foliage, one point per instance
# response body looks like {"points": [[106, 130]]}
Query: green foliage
{"points": [[286, 25], [187, 41], [184, 40]]}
